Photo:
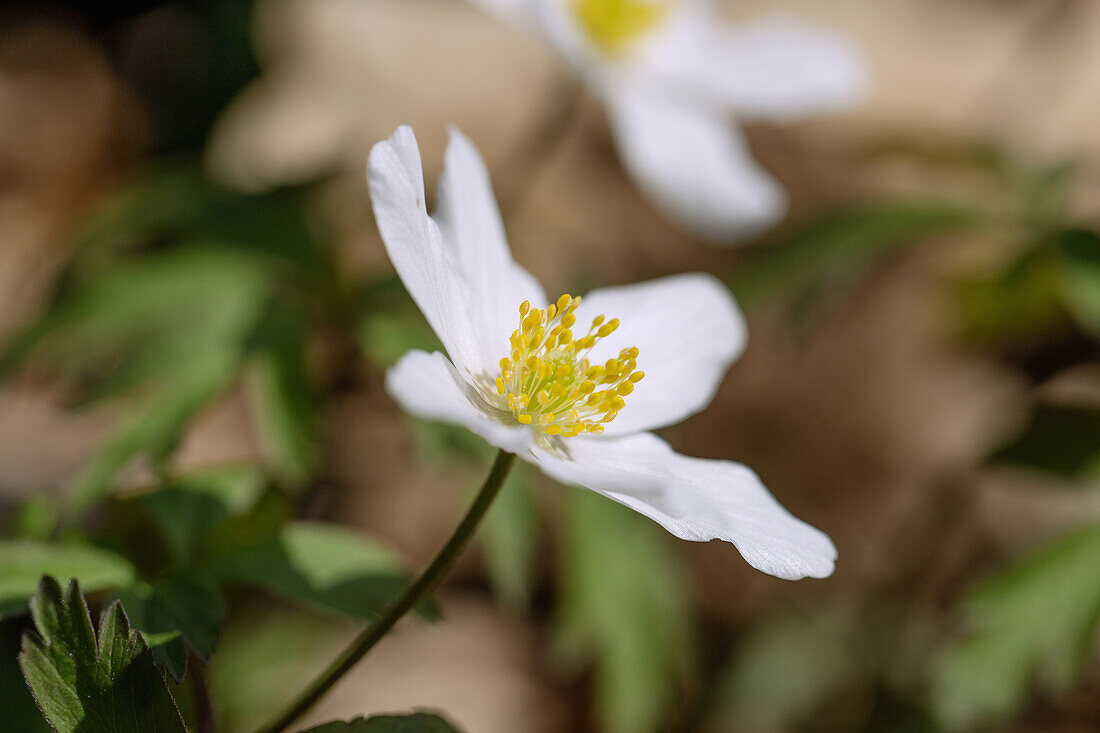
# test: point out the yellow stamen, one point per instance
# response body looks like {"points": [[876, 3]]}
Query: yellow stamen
{"points": [[547, 380]]}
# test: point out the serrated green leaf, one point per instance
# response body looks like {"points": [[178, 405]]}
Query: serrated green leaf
{"points": [[181, 612], [1030, 623], [1059, 439], [623, 606], [412, 723], [85, 685], [323, 565], [24, 562]]}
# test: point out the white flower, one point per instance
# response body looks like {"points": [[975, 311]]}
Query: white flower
{"points": [[673, 80], [533, 378]]}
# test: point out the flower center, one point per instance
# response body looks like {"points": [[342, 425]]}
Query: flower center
{"points": [[616, 25], [548, 381]]}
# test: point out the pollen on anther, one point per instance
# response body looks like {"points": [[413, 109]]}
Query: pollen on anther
{"points": [[547, 380]]}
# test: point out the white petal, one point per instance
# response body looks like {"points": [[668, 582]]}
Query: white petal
{"points": [[467, 213], [415, 245], [692, 163], [688, 331], [428, 386], [456, 266], [696, 499], [513, 11], [774, 68]]}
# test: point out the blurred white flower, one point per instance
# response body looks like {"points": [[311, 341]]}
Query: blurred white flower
{"points": [[673, 80], [533, 378]]}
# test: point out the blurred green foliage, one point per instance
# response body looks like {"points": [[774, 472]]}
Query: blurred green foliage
{"points": [[1063, 440], [781, 673], [624, 607], [1031, 622], [829, 251]]}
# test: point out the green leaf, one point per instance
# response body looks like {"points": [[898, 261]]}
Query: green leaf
{"points": [[1080, 251], [191, 508], [323, 565], [412, 723], [169, 331], [24, 562], [154, 432], [508, 536], [285, 403], [269, 649], [781, 673], [624, 606], [1031, 623], [85, 685], [147, 317], [1048, 288], [174, 203], [177, 613], [838, 243], [1059, 439], [390, 324]]}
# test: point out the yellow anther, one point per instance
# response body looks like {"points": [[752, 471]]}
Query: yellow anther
{"points": [[524, 307], [637, 377], [545, 385]]}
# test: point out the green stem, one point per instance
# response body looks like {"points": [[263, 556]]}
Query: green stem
{"points": [[412, 596]]}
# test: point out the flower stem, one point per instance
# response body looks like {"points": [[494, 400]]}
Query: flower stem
{"points": [[370, 636]]}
